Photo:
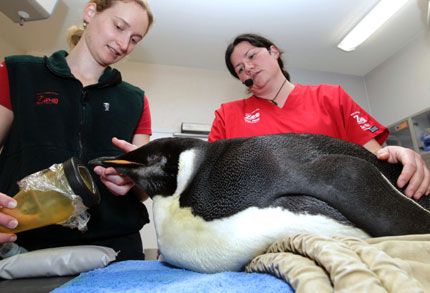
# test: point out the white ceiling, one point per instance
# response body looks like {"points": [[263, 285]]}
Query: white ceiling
{"points": [[195, 33]]}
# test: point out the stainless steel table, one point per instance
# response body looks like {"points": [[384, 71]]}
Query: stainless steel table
{"points": [[33, 285]]}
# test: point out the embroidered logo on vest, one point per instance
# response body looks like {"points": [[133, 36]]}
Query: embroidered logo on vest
{"points": [[46, 98], [252, 117], [106, 106]]}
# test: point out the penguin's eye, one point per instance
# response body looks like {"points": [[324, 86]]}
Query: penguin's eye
{"points": [[154, 159]]}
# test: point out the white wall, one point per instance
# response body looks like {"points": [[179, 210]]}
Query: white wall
{"points": [[400, 86], [180, 94], [7, 49]]}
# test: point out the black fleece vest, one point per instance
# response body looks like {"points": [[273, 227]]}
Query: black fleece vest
{"points": [[56, 118]]}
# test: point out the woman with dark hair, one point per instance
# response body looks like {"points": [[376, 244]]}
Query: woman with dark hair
{"points": [[279, 106], [257, 41]]}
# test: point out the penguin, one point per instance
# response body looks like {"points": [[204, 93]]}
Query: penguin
{"points": [[218, 205]]}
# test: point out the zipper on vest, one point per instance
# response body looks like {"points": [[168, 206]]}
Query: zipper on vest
{"points": [[82, 124]]}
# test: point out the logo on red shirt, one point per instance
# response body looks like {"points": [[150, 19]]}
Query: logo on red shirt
{"points": [[364, 125], [252, 117], [46, 98]]}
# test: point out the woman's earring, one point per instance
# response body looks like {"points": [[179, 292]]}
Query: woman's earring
{"points": [[84, 25]]}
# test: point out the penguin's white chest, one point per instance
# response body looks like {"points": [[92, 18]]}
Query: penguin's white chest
{"points": [[227, 244]]}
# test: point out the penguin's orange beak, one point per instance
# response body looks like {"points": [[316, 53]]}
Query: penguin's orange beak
{"points": [[122, 162]]}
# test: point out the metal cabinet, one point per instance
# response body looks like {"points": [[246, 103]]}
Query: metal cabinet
{"points": [[413, 132]]}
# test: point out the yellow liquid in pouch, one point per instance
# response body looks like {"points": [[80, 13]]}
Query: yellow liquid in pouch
{"points": [[36, 209]]}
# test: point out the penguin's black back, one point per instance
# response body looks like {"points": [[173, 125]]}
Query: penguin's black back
{"points": [[241, 172], [288, 170]]}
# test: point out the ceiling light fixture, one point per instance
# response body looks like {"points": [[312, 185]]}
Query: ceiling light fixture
{"points": [[21, 11], [370, 23]]}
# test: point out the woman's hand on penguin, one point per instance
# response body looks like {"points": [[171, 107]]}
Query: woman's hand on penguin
{"points": [[6, 220], [415, 173], [117, 183]]}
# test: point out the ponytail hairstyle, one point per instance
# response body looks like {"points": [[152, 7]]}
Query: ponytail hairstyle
{"points": [[257, 41], [74, 33]]}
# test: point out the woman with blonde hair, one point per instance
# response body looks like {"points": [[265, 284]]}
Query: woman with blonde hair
{"points": [[75, 104]]}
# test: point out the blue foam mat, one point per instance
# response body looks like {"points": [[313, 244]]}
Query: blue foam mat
{"points": [[155, 276]]}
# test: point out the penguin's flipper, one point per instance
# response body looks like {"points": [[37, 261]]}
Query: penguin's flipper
{"points": [[361, 193]]}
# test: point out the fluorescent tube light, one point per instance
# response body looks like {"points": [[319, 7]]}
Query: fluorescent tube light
{"points": [[370, 23], [428, 13]]}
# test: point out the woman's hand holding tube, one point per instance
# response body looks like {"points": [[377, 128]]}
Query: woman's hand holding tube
{"points": [[117, 183], [6, 220]]}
